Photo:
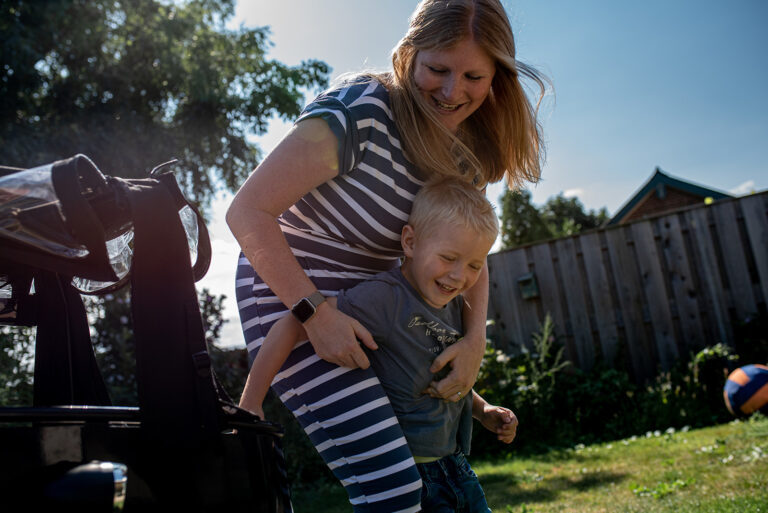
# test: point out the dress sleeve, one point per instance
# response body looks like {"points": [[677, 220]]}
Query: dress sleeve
{"points": [[341, 121]]}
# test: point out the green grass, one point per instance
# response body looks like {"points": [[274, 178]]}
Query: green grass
{"points": [[720, 469]]}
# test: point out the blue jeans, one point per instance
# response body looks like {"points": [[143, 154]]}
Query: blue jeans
{"points": [[450, 485]]}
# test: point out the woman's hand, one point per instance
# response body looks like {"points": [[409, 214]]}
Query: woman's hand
{"points": [[464, 357], [336, 337]]}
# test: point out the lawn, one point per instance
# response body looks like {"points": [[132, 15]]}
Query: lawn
{"points": [[720, 469]]}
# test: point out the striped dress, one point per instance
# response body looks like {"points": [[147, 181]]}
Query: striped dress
{"points": [[343, 232]]}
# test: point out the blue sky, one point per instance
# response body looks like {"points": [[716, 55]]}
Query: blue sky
{"points": [[681, 84]]}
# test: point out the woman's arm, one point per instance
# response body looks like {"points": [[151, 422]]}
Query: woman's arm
{"points": [[303, 160], [464, 356]]}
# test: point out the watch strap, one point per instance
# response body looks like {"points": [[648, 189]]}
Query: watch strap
{"points": [[316, 298], [306, 307]]}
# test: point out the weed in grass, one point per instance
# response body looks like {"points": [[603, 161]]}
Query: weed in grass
{"points": [[661, 489], [523, 509]]}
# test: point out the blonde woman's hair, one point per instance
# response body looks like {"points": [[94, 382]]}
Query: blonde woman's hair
{"points": [[503, 137], [451, 200]]}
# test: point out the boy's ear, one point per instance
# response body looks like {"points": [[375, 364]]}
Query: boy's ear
{"points": [[408, 240]]}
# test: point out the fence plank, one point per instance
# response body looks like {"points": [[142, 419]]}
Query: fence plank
{"points": [[575, 296], [734, 259], [529, 313], [709, 271], [682, 284], [756, 220], [507, 318], [624, 269], [549, 288], [600, 289], [510, 303], [656, 297]]}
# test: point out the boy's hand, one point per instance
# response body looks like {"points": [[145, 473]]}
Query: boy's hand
{"points": [[501, 421]]}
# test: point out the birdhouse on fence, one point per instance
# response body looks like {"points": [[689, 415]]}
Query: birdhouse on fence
{"points": [[529, 288]]}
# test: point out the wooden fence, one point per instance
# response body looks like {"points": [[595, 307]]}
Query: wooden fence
{"points": [[639, 295]]}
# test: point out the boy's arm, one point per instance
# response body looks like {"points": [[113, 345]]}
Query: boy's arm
{"points": [[496, 419], [275, 349]]}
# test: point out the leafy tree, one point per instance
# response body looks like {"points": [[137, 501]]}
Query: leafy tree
{"points": [[132, 84], [522, 222], [16, 348], [135, 83], [566, 216]]}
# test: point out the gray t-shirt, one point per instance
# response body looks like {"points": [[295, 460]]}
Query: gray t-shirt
{"points": [[410, 334]]}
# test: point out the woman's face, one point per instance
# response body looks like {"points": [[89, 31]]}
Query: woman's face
{"points": [[454, 81]]}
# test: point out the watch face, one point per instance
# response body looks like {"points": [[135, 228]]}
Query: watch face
{"points": [[303, 310]]}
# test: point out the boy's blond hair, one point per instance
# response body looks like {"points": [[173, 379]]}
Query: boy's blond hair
{"points": [[454, 201]]}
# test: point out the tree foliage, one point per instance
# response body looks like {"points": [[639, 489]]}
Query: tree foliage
{"points": [[135, 83], [522, 222], [131, 84], [16, 348], [566, 216]]}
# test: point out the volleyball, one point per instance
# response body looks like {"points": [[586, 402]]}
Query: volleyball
{"points": [[746, 390]]}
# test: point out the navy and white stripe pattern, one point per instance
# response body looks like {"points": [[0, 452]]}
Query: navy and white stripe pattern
{"points": [[343, 232]]}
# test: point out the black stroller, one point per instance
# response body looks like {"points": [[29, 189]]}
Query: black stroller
{"points": [[66, 229]]}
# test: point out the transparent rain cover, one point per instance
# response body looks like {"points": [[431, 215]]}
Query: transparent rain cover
{"points": [[29, 192], [120, 252]]}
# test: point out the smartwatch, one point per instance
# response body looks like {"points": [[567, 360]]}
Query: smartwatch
{"points": [[306, 307]]}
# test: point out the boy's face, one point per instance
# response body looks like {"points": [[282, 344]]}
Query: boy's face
{"points": [[445, 262]]}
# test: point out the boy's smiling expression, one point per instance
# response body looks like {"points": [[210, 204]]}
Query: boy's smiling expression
{"points": [[444, 263]]}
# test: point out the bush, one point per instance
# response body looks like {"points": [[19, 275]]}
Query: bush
{"points": [[559, 406], [526, 383]]}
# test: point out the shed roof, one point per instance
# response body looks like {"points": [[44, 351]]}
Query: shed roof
{"points": [[656, 182]]}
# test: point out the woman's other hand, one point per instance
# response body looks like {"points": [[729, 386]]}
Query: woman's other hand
{"points": [[464, 358]]}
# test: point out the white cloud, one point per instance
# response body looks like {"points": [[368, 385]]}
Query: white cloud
{"points": [[573, 193], [744, 188]]}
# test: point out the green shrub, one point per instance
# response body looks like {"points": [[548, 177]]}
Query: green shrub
{"points": [[559, 405], [528, 384]]}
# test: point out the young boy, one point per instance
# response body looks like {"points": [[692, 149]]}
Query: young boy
{"points": [[413, 313]]}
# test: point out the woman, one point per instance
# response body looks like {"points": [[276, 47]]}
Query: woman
{"points": [[325, 210]]}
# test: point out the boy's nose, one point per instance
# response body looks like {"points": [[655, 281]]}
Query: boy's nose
{"points": [[456, 274]]}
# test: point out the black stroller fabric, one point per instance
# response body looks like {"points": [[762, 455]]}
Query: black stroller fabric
{"points": [[187, 447]]}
